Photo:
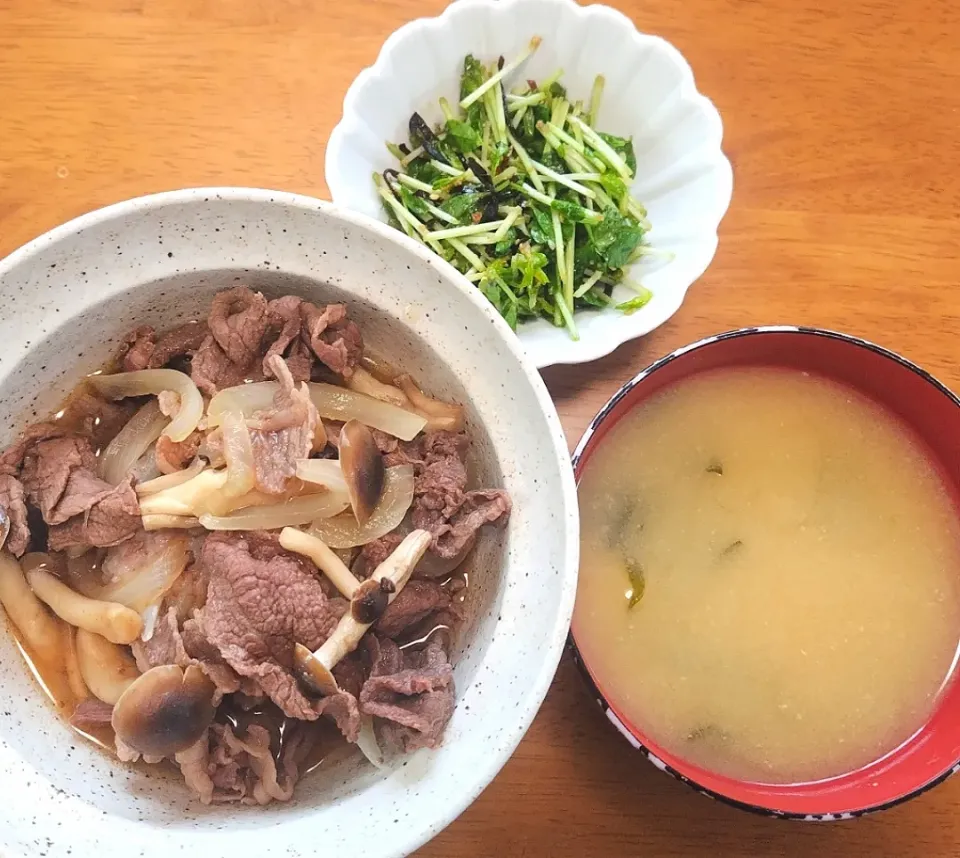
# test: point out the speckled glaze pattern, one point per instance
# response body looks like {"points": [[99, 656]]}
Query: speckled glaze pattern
{"points": [[574, 651], [683, 177], [158, 260]]}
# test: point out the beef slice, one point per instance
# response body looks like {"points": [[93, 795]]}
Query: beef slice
{"points": [[332, 337], [14, 506], [238, 321], [60, 480], [411, 692], [413, 603], [180, 341], [285, 432], [262, 601]]}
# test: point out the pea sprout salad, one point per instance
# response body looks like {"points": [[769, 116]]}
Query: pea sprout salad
{"points": [[523, 195]]}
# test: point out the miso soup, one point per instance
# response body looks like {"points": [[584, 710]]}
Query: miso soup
{"points": [[770, 575]]}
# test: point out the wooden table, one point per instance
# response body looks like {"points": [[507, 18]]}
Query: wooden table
{"points": [[842, 131]]}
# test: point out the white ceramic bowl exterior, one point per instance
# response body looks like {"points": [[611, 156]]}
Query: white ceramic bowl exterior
{"points": [[69, 296], [683, 178]]}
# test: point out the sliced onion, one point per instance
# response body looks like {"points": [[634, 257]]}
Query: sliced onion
{"points": [[289, 513], [140, 574], [145, 468], [149, 616], [169, 402], [364, 382], [245, 399], [343, 531], [368, 744], [156, 381], [169, 481], [323, 472], [131, 442], [211, 448], [332, 402], [219, 504], [238, 453], [337, 403]]}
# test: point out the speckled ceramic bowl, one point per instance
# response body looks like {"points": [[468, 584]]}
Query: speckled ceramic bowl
{"points": [[70, 294]]}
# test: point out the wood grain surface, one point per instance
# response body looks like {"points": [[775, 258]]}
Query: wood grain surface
{"points": [[842, 125]]}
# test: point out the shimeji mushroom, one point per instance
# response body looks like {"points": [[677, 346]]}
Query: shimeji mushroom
{"points": [[368, 600], [117, 623], [326, 559], [42, 632], [441, 416], [71, 664], [362, 466], [185, 499], [107, 669], [169, 522], [164, 711]]}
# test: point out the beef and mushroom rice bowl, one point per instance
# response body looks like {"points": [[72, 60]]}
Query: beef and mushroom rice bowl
{"points": [[240, 539]]}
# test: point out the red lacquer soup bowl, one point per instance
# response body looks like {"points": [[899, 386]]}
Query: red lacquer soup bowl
{"points": [[933, 753]]}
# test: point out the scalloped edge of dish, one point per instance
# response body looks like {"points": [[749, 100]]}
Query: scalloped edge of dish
{"points": [[544, 344]]}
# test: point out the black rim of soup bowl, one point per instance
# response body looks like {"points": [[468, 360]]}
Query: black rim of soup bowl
{"points": [[598, 696]]}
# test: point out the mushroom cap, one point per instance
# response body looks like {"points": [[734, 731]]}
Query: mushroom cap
{"points": [[312, 672], [165, 711], [362, 464], [371, 600]]}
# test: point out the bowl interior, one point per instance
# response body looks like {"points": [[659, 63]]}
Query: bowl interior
{"points": [[682, 177], [933, 413], [75, 292]]}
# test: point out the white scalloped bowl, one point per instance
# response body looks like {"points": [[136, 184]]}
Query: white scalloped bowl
{"points": [[683, 178]]}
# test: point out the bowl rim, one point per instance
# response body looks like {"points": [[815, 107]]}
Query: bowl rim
{"points": [[631, 734], [521, 717], [633, 326]]}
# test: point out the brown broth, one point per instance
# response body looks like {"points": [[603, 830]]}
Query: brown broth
{"points": [[83, 574], [327, 742]]}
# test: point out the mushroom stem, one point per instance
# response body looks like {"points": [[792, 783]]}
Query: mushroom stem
{"points": [[189, 498], [440, 415], [107, 669], [363, 381], [320, 553], [156, 521], [117, 623], [71, 663], [41, 632], [314, 668]]}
